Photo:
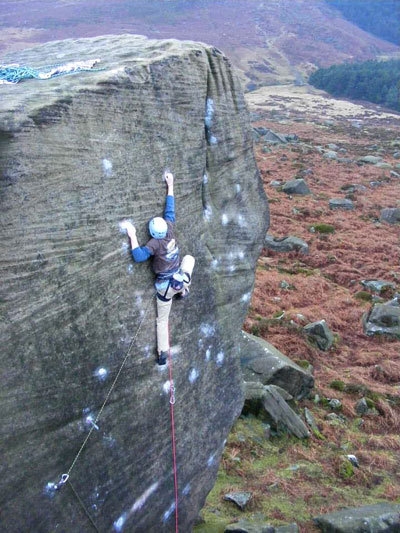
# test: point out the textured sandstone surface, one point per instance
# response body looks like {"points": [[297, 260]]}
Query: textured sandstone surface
{"points": [[79, 153]]}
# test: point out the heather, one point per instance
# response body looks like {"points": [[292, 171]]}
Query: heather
{"points": [[293, 480]]}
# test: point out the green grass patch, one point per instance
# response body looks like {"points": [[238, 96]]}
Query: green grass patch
{"points": [[324, 229]]}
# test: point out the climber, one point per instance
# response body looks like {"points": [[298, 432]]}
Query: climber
{"points": [[172, 277]]}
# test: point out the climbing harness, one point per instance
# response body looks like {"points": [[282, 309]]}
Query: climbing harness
{"points": [[15, 73], [165, 281]]}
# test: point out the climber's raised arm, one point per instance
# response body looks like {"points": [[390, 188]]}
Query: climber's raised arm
{"points": [[169, 211]]}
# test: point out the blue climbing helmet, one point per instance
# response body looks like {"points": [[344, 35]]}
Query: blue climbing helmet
{"points": [[158, 228]]}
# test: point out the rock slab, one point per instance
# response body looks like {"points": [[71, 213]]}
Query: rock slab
{"points": [[79, 153], [261, 362], [379, 518]]}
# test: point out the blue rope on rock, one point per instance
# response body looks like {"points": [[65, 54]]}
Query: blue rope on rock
{"points": [[17, 73], [11, 74]]}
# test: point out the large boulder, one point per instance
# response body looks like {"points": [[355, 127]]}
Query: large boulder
{"points": [[319, 334], [296, 186], [391, 215], [263, 363], [81, 393], [286, 244], [269, 400], [383, 318]]}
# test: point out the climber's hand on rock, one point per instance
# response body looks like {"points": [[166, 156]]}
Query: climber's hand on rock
{"points": [[169, 178], [128, 227]]}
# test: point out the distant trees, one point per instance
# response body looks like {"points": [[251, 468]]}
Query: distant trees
{"points": [[375, 81], [379, 17]]}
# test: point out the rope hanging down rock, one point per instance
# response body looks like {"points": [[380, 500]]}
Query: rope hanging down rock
{"points": [[173, 442], [51, 488], [15, 73], [65, 478]]}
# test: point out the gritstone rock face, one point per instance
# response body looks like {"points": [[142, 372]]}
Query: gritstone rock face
{"points": [[79, 153]]}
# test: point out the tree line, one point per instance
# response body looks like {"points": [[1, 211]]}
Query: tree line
{"points": [[379, 17], [375, 81]]}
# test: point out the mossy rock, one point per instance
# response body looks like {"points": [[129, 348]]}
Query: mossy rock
{"points": [[346, 469]]}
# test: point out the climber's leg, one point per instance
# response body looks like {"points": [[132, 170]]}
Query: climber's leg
{"points": [[163, 310], [187, 267]]}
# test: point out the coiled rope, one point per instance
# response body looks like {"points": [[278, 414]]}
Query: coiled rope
{"points": [[15, 73]]}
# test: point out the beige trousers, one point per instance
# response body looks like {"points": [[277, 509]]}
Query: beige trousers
{"points": [[164, 307]]}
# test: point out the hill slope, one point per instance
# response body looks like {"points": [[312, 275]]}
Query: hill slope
{"points": [[269, 42], [291, 480], [372, 16]]}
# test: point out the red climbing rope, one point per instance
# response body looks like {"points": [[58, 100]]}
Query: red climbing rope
{"points": [[172, 403]]}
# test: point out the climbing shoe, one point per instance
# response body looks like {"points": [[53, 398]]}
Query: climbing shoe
{"points": [[182, 295], [162, 358]]}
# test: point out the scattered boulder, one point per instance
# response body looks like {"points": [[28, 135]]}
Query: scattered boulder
{"points": [[330, 154], [286, 244], [241, 499], [353, 460], [341, 203], [309, 417], [362, 408], [379, 518], [247, 526], [383, 319], [370, 159], [262, 362], [391, 215], [296, 186], [273, 402], [305, 172], [260, 130], [287, 528], [335, 404], [351, 188], [261, 133], [283, 414], [336, 419], [318, 333], [254, 390], [377, 285], [346, 468]]}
